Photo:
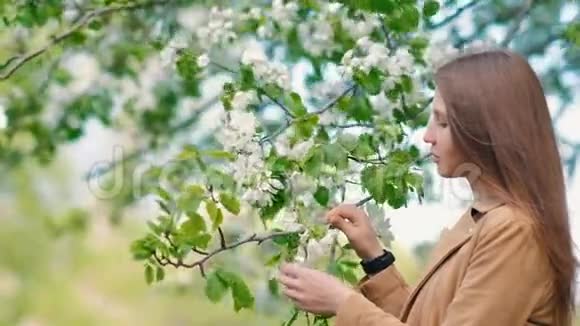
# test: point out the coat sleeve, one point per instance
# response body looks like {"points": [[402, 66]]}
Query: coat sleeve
{"points": [[387, 290], [505, 278]]}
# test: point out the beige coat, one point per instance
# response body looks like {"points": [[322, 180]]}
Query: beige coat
{"points": [[489, 272]]}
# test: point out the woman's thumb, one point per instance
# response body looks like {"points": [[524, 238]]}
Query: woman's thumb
{"points": [[339, 222]]}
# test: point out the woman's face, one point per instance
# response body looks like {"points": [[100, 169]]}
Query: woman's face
{"points": [[444, 152]]}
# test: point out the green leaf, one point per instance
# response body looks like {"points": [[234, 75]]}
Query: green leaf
{"points": [[335, 155], [322, 195], [159, 274], [230, 202], [214, 213], [215, 287], [242, 295], [290, 241], [247, 75], [273, 286], [304, 126], [220, 155], [296, 105], [274, 260], [293, 318], [190, 198], [365, 146], [314, 159], [279, 200], [219, 180], [374, 181], [430, 8], [411, 17], [371, 82], [186, 65], [348, 141], [144, 248], [195, 224], [149, 274]]}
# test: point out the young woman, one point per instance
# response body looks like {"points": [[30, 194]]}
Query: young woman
{"points": [[509, 259]]}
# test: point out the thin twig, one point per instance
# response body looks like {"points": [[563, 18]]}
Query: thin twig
{"points": [[352, 125], [253, 238], [453, 16], [16, 62], [222, 238], [278, 132], [338, 98], [364, 201], [360, 160], [517, 23], [278, 103]]}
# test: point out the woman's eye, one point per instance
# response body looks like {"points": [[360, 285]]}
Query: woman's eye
{"points": [[442, 124]]}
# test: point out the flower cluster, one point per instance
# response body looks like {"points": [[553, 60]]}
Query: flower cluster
{"points": [[238, 132], [358, 28], [219, 29], [293, 151], [284, 13], [368, 55], [265, 187], [317, 36], [169, 53], [268, 72]]}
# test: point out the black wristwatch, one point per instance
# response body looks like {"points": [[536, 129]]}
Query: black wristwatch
{"points": [[378, 264]]}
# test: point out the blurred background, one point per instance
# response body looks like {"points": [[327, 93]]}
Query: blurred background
{"points": [[64, 250]]}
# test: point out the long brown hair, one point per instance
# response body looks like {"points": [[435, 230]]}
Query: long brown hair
{"points": [[499, 119]]}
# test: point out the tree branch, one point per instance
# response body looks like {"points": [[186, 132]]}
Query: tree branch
{"points": [[338, 98], [16, 62], [453, 16], [253, 238], [515, 27], [278, 103]]}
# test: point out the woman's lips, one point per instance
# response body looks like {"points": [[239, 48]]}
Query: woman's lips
{"points": [[435, 158]]}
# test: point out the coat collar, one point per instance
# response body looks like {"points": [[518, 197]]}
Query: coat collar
{"points": [[450, 241]]}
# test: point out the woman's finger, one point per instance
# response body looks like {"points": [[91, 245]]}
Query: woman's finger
{"points": [[289, 282], [291, 270], [293, 294]]}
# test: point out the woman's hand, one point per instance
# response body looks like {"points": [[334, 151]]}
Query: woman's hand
{"points": [[313, 291], [356, 225]]}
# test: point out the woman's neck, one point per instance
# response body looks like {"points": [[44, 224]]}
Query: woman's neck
{"points": [[483, 193]]}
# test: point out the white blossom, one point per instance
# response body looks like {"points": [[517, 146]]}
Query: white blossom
{"points": [[3, 118], [203, 60], [296, 151], [439, 53], [219, 28], [287, 221], [239, 129], [168, 54], [261, 194], [284, 13], [70, 14], [254, 13], [269, 72], [332, 7], [248, 164], [358, 28], [317, 36], [301, 183], [242, 99]]}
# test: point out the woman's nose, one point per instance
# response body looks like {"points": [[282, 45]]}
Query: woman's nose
{"points": [[429, 136]]}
